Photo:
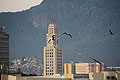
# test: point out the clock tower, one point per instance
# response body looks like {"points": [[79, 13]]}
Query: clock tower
{"points": [[53, 59]]}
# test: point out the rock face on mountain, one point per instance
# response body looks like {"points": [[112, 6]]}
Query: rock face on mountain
{"points": [[87, 20]]}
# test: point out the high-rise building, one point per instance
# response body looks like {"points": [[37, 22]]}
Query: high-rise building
{"points": [[4, 50], [52, 52]]}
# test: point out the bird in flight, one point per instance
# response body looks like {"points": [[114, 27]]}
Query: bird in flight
{"points": [[53, 37], [67, 34], [97, 61], [21, 31], [111, 33], [49, 40]]}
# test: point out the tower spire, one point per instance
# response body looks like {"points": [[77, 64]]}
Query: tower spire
{"points": [[52, 21]]}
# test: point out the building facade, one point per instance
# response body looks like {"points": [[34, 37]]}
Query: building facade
{"points": [[52, 52], [4, 51], [80, 70]]}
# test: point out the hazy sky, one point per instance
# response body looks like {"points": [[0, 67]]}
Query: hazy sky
{"points": [[17, 5]]}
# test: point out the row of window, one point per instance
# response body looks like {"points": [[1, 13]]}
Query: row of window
{"points": [[49, 61], [59, 55], [49, 53], [59, 50], [110, 77], [49, 70], [4, 44], [59, 58], [49, 49], [59, 67], [49, 73], [49, 65], [59, 70], [4, 48], [59, 61], [59, 64], [49, 58]]}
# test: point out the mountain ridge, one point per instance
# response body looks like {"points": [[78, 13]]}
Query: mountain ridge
{"points": [[87, 20]]}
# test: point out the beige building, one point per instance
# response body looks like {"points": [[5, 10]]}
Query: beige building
{"points": [[105, 75], [52, 52], [81, 70], [10, 77]]}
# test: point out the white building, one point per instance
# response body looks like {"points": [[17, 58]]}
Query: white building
{"points": [[53, 58]]}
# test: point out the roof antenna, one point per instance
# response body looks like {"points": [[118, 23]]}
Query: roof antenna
{"points": [[52, 21]]}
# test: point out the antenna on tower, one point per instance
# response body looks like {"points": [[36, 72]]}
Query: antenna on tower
{"points": [[52, 21], [114, 62]]}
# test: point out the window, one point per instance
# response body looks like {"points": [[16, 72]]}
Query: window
{"points": [[108, 77], [112, 77], [47, 64], [50, 30]]}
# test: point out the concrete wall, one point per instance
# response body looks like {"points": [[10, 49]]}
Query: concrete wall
{"points": [[33, 78], [96, 76], [110, 74], [11, 77]]}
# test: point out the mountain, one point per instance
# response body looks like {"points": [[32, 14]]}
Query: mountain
{"points": [[88, 21]]}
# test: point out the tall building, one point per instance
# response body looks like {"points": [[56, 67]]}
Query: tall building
{"points": [[52, 52], [4, 50]]}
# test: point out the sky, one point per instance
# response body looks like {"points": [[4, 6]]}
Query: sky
{"points": [[17, 5]]}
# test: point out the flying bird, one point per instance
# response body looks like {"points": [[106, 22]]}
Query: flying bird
{"points": [[57, 40], [67, 34], [97, 61], [53, 37], [21, 31], [111, 33], [49, 40]]}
